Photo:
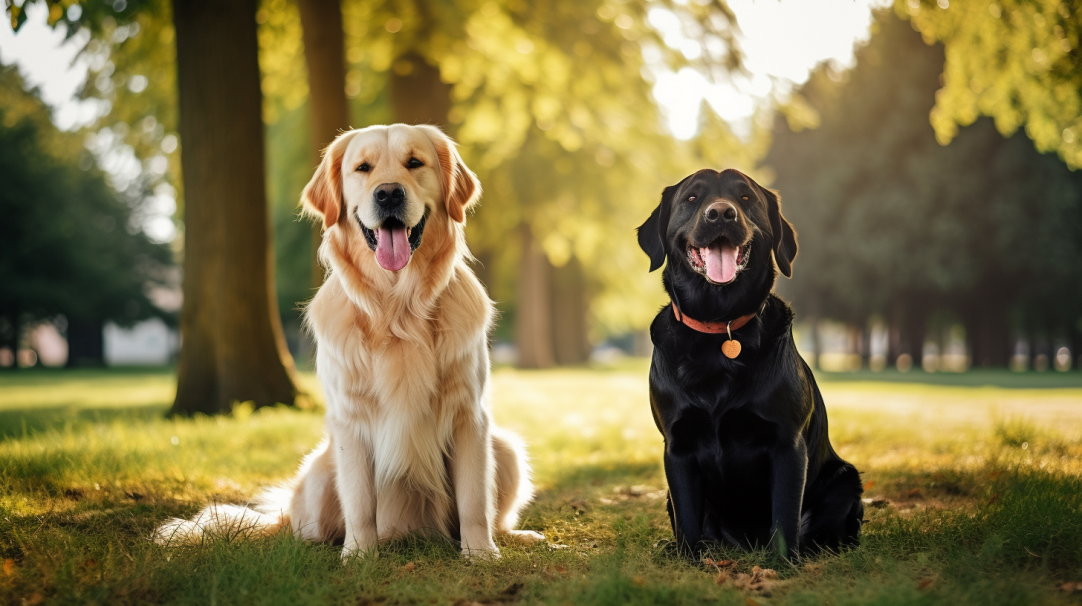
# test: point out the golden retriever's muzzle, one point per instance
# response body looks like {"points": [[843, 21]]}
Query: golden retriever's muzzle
{"points": [[392, 241]]}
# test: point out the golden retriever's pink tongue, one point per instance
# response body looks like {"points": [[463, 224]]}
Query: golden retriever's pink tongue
{"points": [[392, 248], [720, 262]]}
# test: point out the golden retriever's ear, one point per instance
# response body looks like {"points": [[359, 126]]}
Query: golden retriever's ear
{"points": [[460, 185], [323, 194]]}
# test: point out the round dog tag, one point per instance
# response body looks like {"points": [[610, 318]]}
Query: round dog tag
{"points": [[731, 348]]}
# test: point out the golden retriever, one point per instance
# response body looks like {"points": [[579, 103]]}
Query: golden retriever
{"points": [[401, 325]]}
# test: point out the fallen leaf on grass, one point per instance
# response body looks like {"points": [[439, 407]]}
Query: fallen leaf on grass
{"points": [[761, 580], [914, 493], [409, 567], [869, 484], [638, 581], [751, 602], [925, 583], [9, 567], [718, 563], [34, 599]]}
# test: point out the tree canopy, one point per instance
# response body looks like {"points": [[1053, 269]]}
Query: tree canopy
{"points": [[72, 246], [893, 224], [1017, 61]]}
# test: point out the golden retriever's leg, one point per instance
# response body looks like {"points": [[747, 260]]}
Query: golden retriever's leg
{"points": [[513, 487], [355, 479], [472, 475]]}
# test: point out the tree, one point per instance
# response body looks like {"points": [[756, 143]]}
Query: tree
{"points": [[324, 55], [233, 346], [71, 246], [893, 224], [1017, 61]]}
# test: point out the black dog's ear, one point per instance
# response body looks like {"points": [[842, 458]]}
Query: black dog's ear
{"points": [[784, 235], [652, 238]]}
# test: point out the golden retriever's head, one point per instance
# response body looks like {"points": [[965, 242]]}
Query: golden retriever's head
{"points": [[391, 181]]}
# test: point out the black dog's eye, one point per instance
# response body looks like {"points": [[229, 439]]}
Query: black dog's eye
{"points": [[414, 163], [691, 198], [364, 167], [743, 197]]}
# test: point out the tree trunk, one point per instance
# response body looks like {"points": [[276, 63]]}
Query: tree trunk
{"points": [[988, 333], [417, 93], [324, 54], [9, 338], [86, 346], [570, 338], [913, 330], [533, 315], [233, 347]]}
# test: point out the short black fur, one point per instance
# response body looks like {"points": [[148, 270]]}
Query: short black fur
{"points": [[747, 456]]}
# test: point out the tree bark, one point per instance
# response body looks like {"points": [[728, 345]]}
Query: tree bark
{"points": [[570, 338], [417, 93], [533, 315], [233, 347], [324, 54]]}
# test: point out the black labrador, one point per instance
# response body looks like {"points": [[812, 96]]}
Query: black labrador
{"points": [[747, 456]]}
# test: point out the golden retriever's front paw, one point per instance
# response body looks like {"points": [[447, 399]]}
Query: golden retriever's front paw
{"points": [[485, 552], [348, 553], [523, 537]]}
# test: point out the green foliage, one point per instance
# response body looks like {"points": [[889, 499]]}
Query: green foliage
{"points": [[1017, 61], [887, 217], [70, 245]]}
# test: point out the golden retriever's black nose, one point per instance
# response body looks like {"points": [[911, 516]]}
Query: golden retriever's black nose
{"points": [[390, 195], [720, 211]]}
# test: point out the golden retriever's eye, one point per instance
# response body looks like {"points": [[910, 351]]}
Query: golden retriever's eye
{"points": [[414, 163], [364, 167]]}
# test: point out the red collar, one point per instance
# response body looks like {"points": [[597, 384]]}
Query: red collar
{"points": [[713, 328]]}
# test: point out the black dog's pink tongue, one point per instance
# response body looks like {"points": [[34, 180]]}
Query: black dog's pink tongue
{"points": [[720, 262], [392, 248]]}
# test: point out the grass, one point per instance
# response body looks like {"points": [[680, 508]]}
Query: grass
{"points": [[975, 488]]}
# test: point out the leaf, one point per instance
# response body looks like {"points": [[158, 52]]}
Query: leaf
{"points": [[34, 599], [9, 567], [868, 485], [409, 567]]}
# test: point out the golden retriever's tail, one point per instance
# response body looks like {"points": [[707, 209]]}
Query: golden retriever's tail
{"points": [[229, 522]]}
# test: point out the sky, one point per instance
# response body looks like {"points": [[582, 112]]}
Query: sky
{"points": [[782, 41]]}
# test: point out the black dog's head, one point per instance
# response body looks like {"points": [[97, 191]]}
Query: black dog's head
{"points": [[719, 232]]}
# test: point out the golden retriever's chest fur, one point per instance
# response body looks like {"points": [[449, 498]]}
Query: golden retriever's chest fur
{"points": [[385, 376]]}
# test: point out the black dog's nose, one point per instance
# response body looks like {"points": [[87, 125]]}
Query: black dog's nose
{"points": [[720, 210], [389, 194]]}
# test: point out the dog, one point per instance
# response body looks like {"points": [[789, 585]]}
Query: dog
{"points": [[747, 457], [401, 325]]}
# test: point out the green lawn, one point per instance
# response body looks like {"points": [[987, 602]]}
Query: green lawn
{"points": [[975, 484]]}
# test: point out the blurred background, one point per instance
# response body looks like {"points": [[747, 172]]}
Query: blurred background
{"points": [[925, 151]]}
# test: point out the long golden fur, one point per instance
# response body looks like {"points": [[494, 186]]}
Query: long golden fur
{"points": [[403, 359]]}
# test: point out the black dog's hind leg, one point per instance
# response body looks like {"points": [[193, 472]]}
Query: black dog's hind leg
{"points": [[834, 512], [686, 501], [789, 474]]}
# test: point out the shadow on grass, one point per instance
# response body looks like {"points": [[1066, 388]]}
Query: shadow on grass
{"points": [[972, 378], [582, 476], [27, 422]]}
